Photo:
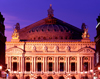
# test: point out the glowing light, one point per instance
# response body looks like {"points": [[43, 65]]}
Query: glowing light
{"points": [[8, 69], [81, 72], [14, 71], [91, 70], [85, 72], [0, 67], [98, 68]]}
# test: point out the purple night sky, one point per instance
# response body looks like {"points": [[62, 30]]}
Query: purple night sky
{"points": [[26, 12]]}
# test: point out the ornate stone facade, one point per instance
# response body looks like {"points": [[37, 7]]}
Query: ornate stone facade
{"points": [[50, 57]]}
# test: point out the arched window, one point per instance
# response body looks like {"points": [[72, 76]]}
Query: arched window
{"points": [[61, 77], [50, 77], [15, 77], [73, 77], [27, 77], [39, 77]]}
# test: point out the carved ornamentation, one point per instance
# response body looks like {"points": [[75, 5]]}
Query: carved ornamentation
{"points": [[87, 50], [67, 48], [56, 48], [45, 49], [14, 58], [34, 48], [15, 50]]}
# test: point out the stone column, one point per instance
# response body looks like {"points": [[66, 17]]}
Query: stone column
{"points": [[81, 65], [43, 64], [90, 63], [57, 64], [11, 64], [34, 64], [19, 64], [93, 63], [22, 65], [78, 64], [68, 64], [54, 64]]}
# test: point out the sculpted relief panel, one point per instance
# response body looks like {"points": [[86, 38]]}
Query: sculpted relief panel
{"points": [[87, 50], [14, 50]]}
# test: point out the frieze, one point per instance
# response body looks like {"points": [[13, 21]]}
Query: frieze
{"points": [[67, 48], [45, 49], [14, 50], [86, 50], [34, 48], [56, 48]]}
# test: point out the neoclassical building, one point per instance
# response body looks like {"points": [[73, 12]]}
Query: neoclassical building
{"points": [[50, 49]]}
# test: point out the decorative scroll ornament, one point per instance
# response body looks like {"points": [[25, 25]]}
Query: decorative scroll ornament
{"points": [[56, 48], [45, 49], [15, 35], [85, 34], [67, 48], [34, 48]]}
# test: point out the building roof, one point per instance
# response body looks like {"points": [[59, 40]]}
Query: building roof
{"points": [[50, 28]]}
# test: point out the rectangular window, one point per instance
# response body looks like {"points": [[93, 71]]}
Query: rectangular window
{"points": [[86, 66], [50, 66], [61, 66], [73, 66], [28, 66], [14, 66], [39, 66]]}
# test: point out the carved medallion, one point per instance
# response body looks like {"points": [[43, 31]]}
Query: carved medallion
{"points": [[67, 48]]}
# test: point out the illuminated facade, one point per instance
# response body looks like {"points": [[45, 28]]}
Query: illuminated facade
{"points": [[50, 49]]}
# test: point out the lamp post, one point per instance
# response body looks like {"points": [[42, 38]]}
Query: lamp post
{"points": [[0, 70], [91, 71]]}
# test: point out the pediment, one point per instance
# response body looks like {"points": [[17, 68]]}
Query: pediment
{"points": [[14, 50], [86, 50]]}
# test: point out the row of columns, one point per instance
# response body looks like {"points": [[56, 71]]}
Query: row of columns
{"points": [[67, 64]]}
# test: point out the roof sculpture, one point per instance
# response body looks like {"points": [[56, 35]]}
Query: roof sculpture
{"points": [[50, 28]]}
